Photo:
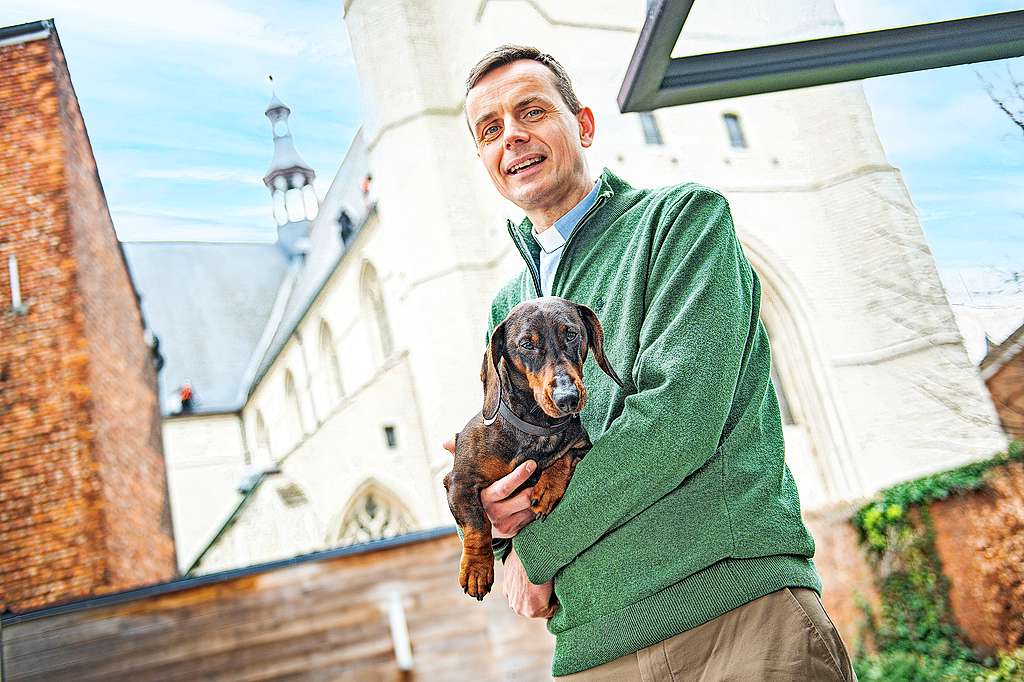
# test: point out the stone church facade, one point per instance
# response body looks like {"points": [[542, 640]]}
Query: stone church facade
{"points": [[370, 351]]}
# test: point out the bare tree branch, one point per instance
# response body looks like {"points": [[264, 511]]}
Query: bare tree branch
{"points": [[1017, 118]]}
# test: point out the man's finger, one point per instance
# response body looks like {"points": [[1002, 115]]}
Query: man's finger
{"points": [[504, 486], [449, 445], [509, 506], [516, 522]]}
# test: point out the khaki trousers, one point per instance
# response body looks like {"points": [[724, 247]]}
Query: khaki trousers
{"points": [[785, 636]]}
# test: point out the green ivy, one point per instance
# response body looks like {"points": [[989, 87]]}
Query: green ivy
{"points": [[914, 632], [874, 520]]}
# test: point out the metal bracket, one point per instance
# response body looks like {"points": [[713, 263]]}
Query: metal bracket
{"points": [[654, 79]]}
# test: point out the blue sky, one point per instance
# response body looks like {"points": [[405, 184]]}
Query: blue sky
{"points": [[173, 96], [174, 93]]}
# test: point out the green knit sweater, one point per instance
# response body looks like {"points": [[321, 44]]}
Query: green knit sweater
{"points": [[684, 508]]}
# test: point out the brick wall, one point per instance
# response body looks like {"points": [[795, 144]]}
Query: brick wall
{"points": [[83, 505], [1007, 389], [846, 578], [122, 377], [979, 537]]}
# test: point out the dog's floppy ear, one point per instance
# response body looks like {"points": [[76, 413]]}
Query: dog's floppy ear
{"points": [[489, 370], [595, 338]]}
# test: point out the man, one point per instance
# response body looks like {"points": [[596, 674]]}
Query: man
{"points": [[678, 551]]}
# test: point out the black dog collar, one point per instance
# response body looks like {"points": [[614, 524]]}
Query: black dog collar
{"points": [[534, 430], [505, 411]]}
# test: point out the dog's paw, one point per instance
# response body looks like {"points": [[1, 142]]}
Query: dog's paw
{"points": [[545, 497], [476, 575]]}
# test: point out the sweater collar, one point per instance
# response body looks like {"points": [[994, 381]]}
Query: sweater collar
{"points": [[615, 189]]}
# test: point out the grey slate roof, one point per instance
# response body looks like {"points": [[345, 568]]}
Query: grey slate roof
{"points": [[208, 303], [212, 303]]}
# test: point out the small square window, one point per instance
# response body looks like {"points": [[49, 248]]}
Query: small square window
{"points": [[389, 437], [736, 137], [652, 133]]}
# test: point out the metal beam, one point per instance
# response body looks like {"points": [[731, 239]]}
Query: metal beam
{"points": [[751, 71], [653, 50]]}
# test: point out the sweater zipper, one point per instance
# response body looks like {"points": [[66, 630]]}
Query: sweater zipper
{"points": [[524, 252], [534, 272], [601, 198]]}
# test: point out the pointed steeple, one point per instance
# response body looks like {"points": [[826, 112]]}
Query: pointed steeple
{"points": [[290, 181]]}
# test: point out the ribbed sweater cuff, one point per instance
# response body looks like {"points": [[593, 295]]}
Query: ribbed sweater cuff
{"points": [[697, 599], [540, 562]]}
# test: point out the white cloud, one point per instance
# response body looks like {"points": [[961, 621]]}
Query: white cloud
{"points": [[182, 21], [870, 15], [202, 174], [134, 223]]}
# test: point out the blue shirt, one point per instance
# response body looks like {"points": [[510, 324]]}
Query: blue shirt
{"points": [[553, 239]]}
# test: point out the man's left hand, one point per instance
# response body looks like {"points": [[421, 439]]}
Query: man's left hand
{"points": [[525, 598]]}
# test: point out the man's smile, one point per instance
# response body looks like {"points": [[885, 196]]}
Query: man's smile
{"points": [[524, 163]]}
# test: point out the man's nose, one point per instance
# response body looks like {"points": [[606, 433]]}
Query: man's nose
{"points": [[515, 132]]}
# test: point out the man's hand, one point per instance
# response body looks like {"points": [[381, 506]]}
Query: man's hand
{"points": [[525, 598], [507, 515]]}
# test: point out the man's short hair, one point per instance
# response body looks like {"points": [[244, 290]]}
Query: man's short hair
{"points": [[506, 54]]}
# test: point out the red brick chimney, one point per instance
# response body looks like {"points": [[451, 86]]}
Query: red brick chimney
{"points": [[83, 489]]}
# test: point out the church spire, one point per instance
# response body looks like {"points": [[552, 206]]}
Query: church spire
{"points": [[290, 181]]}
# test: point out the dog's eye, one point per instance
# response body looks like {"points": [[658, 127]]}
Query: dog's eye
{"points": [[570, 335], [526, 345]]}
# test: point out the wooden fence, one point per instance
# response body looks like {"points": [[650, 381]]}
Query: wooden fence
{"points": [[335, 615]]}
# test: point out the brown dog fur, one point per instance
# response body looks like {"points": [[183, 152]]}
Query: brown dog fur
{"points": [[539, 347]]}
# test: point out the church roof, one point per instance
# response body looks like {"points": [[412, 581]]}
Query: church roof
{"points": [[224, 311], [1002, 353], [287, 162], [344, 195], [208, 304], [275, 103]]}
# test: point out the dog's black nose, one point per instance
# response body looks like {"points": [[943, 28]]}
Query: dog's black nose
{"points": [[567, 401]]}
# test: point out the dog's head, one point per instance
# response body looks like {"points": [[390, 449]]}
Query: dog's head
{"points": [[545, 341]]}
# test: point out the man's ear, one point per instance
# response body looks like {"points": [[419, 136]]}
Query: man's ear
{"points": [[489, 371], [595, 338], [587, 125]]}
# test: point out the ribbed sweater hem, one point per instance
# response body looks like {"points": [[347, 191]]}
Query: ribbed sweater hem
{"points": [[694, 600]]}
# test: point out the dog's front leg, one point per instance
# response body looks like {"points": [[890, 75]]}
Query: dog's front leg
{"points": [[476, 570], [551, 485]]}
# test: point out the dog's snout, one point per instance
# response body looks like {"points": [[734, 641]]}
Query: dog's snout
{"points": [[567, 402], [565, 395]]}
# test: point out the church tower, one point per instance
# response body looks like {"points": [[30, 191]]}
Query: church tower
{"points": [[290, 181], [868, 358]]}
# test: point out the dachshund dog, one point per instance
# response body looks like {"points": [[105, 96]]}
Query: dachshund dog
{"points": [[533, 393]]}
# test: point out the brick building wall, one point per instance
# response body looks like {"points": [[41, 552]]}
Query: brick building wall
{"points": [[979, 538], [1006, 385], [83, 503]]}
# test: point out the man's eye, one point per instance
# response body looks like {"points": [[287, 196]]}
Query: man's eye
{"points": [[534, 113], [490, 130], [526, 345]]}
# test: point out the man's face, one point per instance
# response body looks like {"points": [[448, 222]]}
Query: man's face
{"points": [[527, 138]]}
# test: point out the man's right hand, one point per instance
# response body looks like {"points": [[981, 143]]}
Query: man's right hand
{"points": [[508, 515]]}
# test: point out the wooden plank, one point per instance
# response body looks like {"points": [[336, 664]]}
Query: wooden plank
{"points": [[318, 620]]}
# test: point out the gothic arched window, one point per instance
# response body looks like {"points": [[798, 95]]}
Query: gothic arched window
{"points": [[293, 409], [262, 442], [373, 303], [329, 366], [373, 514]]}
